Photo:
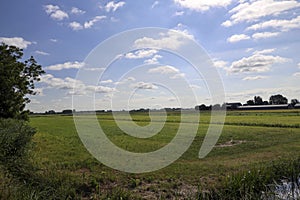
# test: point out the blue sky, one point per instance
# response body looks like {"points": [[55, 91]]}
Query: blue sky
{"points": [[253, 44]]}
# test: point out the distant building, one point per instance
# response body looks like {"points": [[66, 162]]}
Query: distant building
{"points": [[266, 107]]}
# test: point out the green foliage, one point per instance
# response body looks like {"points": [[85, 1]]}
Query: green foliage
{"points": [[17, 79], [21, 179], [278, 99], [257, 183], [15, 137]]}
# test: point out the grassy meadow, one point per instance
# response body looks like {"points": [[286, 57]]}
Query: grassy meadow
{"points": [[250, 141]]}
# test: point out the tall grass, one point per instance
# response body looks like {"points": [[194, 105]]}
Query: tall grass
{"points": [[266, 182]]}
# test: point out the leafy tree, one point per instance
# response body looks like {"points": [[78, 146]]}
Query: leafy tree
{"points": [[250, 102], [258, 100], [278, 99], [265, 103], [17, 79], [294, 101]]}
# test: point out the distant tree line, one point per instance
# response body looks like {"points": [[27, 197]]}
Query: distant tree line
{"points": [[277, 99]]}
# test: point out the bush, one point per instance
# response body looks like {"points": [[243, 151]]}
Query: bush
{"points": [[15, 137]]}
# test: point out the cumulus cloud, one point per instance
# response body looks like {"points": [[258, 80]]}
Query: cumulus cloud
{"points": [[75, 26], [55, 12], [164, 70], [70, 84], [15, 41], [91, 23], [66, 83], [88, 24], [255, 10], [184, 30], [253, 78], [202, 5], [264, 35], [145, 86], [54, 40], [280, 24], [178, 75], [42, 53], [237, 38], [77, 11], [112, 6], [153, 60], [66, 65], [258, 62], [170, 40], [220, 63], [144, 53]]}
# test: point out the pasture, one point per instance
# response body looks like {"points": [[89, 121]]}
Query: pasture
{"points": [[250, 140]]}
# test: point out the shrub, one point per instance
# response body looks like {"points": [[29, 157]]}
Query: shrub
{"points": [[15, 137]]}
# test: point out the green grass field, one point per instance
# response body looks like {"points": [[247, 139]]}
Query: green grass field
{"points": [[250, 140]]}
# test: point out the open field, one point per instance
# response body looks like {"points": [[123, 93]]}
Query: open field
{"points": [[249, 140], [263, 136]]}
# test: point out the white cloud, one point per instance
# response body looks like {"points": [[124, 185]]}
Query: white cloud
{"points": [[183, 29], [55, 12], [299, 65], [237, 38], [155, 4], [112, 6], [143, 85], [179, 75], [283, 25], [220, 63], [258, 62], [170, 40], [179, 13], [53, 40], [15, 41], [256, 9], [106, 81], [70, 84], [66, 65], [202, 5], [249, 50], [91, 23], [144, 53], [39, 91], [102, 89], [253, 78], [50, 8], [75, 26], [265, 51], [193, 86], [88, 24], [227, 23], [153, 60], [77, 11], [42, 53], [297, 74], [264, 35], [164, 70], [53, 82]]}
